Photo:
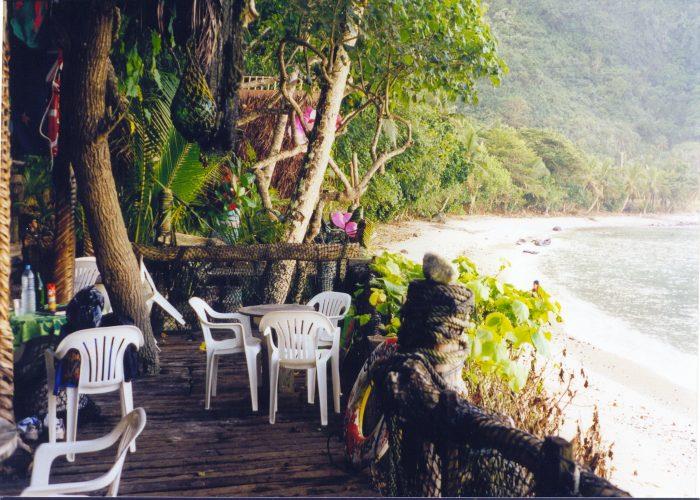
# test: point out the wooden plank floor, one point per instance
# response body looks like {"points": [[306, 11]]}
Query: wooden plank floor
{"points": [[228, 450]]}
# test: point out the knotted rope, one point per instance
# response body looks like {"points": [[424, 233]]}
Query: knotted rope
{"points": [[433, 322]]}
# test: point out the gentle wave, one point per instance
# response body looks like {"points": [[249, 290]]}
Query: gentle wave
{"points": [[632, 292]]}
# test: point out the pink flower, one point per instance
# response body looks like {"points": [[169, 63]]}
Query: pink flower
{"points": [[308, 117], [342, 221]]}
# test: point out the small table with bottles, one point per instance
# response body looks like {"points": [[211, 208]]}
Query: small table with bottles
{"points": [[26, 327]]}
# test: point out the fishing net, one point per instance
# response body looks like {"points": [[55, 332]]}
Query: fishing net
{"points": [[441, 445]]}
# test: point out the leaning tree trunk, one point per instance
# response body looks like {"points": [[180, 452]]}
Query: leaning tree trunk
{"points": [[6, 350], [86, 127], [308, 190]]}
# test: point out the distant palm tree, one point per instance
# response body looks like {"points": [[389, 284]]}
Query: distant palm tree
{"points": [[631, 183]]}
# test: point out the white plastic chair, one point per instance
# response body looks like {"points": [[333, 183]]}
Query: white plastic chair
{"points": [[101, 370], [335, 305], [243, 341], [154, 296], [126, 431], [86, 273], [296, 348]]}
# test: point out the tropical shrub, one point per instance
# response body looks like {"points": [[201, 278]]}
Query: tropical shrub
{"points": [[509, 356], [509, 323]]}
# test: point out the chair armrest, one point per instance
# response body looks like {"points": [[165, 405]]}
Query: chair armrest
{"points": [[222, 326], [46, 453], [221, 315]]}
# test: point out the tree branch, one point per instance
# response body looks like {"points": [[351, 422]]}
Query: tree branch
{"points": [[388, 155], [284, 79], [341, 175], [283, 155]]}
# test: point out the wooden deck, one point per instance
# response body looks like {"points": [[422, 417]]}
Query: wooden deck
{"points": [[228, 450]]}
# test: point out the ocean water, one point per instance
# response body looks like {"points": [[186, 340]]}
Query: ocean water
{"points": [[632, 290]]}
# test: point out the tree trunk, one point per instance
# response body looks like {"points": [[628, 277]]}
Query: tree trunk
{"points": [[322, 137], [6, 349], [86, 127], [308, 190], [226, 73]]}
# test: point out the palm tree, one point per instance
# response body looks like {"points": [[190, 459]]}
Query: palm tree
{"points": [[6, 350], [164, 166]]}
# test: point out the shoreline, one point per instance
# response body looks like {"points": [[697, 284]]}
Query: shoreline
{"points": [[651, 420]]}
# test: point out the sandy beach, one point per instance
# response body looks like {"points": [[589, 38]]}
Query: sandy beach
{"points": [[649, 416]]}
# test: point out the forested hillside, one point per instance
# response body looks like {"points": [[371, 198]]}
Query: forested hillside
{"points": [[614, 76], [600, 111]]}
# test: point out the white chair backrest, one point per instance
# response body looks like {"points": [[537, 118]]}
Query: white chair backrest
{"points": [[205, 314], [101, 353], [297, 333], [126, 431], [146, 277], [335, 305], [86, 273]]}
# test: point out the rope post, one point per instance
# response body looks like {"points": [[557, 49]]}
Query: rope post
{"points": [[559, 474]]}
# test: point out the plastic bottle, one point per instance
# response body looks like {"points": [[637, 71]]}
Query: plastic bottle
{"points": [[28, 293], [51, 297]]}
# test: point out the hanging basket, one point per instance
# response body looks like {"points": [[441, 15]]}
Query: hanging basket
{"points": [[193, 109]]}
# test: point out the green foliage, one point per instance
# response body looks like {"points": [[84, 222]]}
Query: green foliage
{"points": [[508, 170], [389, 287], [509, 323], [422, 46]]}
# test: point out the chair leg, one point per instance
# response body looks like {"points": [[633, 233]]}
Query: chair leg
{"points": [[52, 417], [335, 373], [259, 364], [252, 361], [215, 375], [274, 376], [127, 399], [72, 403], [207, 382], [114, 487], [310, 385], [322, 391]]}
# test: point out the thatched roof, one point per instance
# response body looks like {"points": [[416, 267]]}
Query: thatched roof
{"points": [[258, 135]]}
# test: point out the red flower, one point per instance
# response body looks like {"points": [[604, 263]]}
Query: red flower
{"points": [[232, 206]]}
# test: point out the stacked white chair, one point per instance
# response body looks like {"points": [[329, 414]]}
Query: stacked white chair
{"points": [[296, 348], [101, 370], [126, 432], [243, 342], [153, 296], [335, 306], [86, 273]]}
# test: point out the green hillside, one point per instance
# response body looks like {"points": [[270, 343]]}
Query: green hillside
{"points": [[614, 76]]}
